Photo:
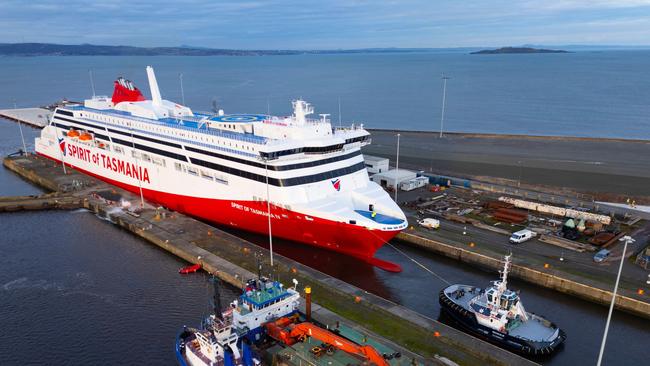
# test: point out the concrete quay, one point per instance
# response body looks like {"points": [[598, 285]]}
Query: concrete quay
{"points": [[233, 260], [540, 277], [52, 201], [36, 117]]}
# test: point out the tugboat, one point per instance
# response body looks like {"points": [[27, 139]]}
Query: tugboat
{"points": [[497, 315], [216, 342]]}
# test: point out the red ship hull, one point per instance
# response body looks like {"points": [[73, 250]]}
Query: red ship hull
{"points": [[349, 239]]}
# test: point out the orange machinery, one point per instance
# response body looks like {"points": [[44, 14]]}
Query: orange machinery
{"points": [[287, 332]]}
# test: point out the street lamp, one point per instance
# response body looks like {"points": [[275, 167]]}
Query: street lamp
{"points": [[20, 127], [627, 240], [268, 209], [397, 169], [180, 76], [444, 101]]}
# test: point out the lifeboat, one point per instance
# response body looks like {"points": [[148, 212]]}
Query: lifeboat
{"points": [[190, 269], [73, 133], [85, 136]]}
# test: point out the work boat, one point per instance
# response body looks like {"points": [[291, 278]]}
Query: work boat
{"points": [[263, 301], [497, 315], [216, 342], [224, 168]]}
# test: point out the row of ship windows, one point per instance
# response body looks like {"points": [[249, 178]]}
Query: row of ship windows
{"points": [[162, 162], [136, 154], [200, 173], [167, 131]]}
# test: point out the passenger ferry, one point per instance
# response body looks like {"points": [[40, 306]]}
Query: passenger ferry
{"points": [[224, 168]]}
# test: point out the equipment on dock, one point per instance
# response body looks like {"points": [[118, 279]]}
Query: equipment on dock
{"points": [[190, 269], [497, 315], [286, 331]]}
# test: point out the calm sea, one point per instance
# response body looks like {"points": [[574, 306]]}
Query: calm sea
{"points": [[598, 94]]}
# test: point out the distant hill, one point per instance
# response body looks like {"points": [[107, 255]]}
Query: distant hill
{"points": [[50, 49], [504, 50]]}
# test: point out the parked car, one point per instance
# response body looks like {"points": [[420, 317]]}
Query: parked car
{"points": [[430, 223], [601, 255], [522, 236]]}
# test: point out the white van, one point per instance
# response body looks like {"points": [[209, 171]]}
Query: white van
{"points": [[430, 223], [522, 235]]}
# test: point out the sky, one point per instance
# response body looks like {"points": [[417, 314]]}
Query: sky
{"points": [[326, 24]]}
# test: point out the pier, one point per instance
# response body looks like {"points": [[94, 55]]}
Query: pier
{"points": [[35, 117], [234, 260]]}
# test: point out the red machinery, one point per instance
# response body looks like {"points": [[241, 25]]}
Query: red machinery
{"points": [[285, 331]]}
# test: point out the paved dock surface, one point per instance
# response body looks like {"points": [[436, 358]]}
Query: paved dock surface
{"points": [[590, 165], [234, 259], [37, 117]]}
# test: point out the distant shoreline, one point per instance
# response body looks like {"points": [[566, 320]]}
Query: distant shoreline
{"points": [[51, 49], [516, 50]]}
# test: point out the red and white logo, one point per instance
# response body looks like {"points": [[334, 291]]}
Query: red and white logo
{"points": [[336, 183], [62, 146]]}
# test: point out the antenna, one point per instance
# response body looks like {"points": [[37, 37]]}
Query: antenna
{"points": [[216, 298], [268, 107], [92, 82]]}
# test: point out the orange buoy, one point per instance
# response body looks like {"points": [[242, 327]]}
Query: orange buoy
{"points": [[73, 133]]}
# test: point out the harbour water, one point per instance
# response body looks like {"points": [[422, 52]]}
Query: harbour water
{"points": [[111, 298], [596, 94]]}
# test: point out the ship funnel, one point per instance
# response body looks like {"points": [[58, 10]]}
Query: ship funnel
{"points": [[153, 85]]}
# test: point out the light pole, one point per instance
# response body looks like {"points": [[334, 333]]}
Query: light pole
{"points": [[135, 155], [628, 240], [444, 101], [519, 180], [268, 209], [20, 127], [397, 170], [180, 76]]}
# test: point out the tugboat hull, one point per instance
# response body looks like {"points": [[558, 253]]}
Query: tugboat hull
{"points": [[467, 320]]}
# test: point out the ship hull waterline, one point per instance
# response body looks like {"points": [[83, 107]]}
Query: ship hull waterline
{"points": [[348, 239]]}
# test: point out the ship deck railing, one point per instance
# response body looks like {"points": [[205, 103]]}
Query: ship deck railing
{"points": [[175, 123]]}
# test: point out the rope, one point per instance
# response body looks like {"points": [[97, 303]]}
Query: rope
{"points": [[420, 264]]}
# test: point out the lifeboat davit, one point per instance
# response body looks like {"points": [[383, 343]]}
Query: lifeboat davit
{"points": [[85, 136], [73, 133], [190, 269]]}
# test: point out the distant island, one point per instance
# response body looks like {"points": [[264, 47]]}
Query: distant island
{"points": [[503, 50], [51, 49]]}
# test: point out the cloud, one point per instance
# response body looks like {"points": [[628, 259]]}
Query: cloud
{"points": [[324, 24]]}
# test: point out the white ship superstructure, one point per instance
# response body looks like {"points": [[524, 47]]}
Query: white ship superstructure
{"points": [[216, 166]]}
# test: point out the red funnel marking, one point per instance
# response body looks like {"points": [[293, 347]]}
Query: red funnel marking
{"points": [[123, 94]]}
